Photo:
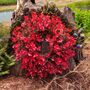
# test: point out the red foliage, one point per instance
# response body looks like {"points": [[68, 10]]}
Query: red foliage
{"points": [[43, 44]]}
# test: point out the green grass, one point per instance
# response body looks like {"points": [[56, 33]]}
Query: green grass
{"points": [[7, 2], [82, 14], [83, 19], [4, 30]]}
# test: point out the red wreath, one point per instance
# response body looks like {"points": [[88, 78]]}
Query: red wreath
{"points": [[43, 44]]}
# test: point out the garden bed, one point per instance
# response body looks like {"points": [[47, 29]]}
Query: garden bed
{"points": [[79, 78]]}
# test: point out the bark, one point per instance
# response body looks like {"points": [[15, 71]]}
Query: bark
{"points": [[31, 4], [37, 4]]}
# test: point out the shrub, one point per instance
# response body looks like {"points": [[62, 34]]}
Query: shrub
{"points": [[82, 14], [6, 61], [43, 44], [83, 19]]}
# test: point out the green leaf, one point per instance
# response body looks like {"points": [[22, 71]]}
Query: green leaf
{"points": [[4, 72]]}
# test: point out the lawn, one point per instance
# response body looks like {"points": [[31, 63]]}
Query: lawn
{"points": [[7, 2]]}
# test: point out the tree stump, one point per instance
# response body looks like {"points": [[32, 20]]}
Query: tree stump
{"points": [[24, 8]]}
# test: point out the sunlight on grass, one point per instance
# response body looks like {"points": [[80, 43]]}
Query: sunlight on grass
{"points": [[4, 30], [7, 2]]}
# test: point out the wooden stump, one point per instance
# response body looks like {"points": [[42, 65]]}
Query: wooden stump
{"points": [[67, 13]]}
